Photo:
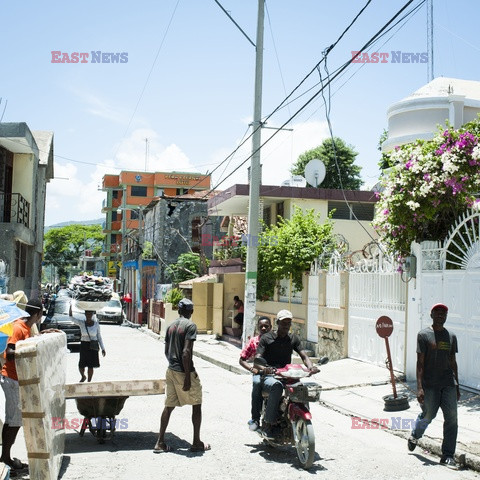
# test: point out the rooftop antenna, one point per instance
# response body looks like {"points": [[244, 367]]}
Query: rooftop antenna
{"points": [[146, 153], [430, 73], [315, 172]]}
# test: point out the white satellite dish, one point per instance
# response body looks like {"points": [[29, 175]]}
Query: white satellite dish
{"points": [[315, 172]]}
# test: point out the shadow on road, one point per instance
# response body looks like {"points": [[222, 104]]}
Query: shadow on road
{"points": [[287, 455], [122, 440]]}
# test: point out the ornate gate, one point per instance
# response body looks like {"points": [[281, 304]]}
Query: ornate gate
{"points": [[376, 288], [451, 274]]}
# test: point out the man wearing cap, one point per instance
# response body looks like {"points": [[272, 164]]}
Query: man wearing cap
{"points": [[183, 384], [276, 349], [437, 382]]}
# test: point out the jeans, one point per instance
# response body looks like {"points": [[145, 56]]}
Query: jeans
{"points": [[446, 399], [274, 388], [257, 399]]}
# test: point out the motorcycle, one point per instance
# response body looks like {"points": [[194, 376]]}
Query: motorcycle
{"points": [[295, 419]]}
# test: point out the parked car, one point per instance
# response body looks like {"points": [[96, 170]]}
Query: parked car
{"points": [[58, 317], [111, 312]]}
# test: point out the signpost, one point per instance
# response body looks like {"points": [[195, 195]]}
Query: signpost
{"points": [[384, 327]]}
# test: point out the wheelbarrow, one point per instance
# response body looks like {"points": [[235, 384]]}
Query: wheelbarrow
{"points": [[99, 415]]}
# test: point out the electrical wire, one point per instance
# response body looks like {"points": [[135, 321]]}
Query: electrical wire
{"points": [[337, 72]]}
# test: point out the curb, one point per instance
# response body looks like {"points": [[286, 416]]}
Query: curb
{"points": [[463, 459], [219, 363]]}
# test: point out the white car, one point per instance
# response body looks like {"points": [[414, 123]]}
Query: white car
{"points": [[111, 312]]}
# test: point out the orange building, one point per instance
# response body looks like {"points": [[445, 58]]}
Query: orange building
{"points": [[127, 192]]}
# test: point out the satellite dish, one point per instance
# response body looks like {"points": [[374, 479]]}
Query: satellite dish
{"points": [[315, 172]]}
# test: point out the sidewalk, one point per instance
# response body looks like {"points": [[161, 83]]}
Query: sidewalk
{"points": [[357, 389]]}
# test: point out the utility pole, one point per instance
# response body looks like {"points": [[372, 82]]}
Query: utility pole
{"points": [[84, 250], [124, 234], [250, 298], [140, 265]]}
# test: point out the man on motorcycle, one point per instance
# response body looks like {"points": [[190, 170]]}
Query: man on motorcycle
{"points": [[264, 325], [276, 349]]}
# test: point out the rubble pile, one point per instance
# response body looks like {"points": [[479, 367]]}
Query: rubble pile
{"points": [[89, 288]]}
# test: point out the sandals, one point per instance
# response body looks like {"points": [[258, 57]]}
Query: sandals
{"points": [[202, 448], [164, 448]]}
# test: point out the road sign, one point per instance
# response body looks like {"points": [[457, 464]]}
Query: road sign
{"points": [[384, 326]]}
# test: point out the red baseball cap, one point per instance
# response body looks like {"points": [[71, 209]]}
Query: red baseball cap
{"points": [[439, 305]]}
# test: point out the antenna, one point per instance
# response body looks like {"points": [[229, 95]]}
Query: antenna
{"points": [[315, 172]]}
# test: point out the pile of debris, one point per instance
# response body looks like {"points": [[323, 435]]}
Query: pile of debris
{"points": [[89, 288]]}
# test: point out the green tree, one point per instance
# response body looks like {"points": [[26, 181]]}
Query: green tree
{"points": [[349, 172], [64, 245], [187, 267], [289, 248]]}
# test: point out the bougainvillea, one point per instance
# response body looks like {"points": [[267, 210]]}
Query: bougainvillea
{"points": [[428, 185]]}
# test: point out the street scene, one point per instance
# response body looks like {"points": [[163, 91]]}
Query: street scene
{"points": [[240, 238], [341, 452]]}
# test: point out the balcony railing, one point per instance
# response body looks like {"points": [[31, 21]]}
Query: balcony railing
{"points": [[14, 209]]}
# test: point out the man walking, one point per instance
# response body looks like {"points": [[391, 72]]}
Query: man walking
{"points": [[183, 384], [437, 382]]}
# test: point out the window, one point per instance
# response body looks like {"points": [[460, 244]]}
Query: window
{"points": [[267, 215], [361, 211], [113, 238], [115, 194], [138, 191], [280, 210], [182, 191], [20, 259], [133, 214], [114, 215]]}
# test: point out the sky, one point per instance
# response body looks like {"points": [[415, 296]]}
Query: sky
{"points": [[187, 85]]}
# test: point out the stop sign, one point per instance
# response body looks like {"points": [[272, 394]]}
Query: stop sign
{"points": [[384, 326]]}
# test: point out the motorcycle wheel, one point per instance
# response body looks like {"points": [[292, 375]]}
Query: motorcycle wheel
{"points": [[305, 442]]}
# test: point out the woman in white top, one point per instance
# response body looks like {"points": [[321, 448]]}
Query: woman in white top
{"points": [[90, 344]]}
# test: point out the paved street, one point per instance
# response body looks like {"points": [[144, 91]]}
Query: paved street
{"points": [[236, 452]]}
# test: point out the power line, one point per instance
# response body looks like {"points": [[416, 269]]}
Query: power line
{"points": [[332, 77]]}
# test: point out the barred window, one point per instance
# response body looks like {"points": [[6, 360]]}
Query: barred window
{"points": [[350, 211], [20, 259]]}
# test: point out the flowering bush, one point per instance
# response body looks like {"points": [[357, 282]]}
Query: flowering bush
{"points": [[428, 185]]}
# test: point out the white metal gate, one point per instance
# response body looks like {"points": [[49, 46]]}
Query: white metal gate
{"points": [[459, 290], [375, 289]]}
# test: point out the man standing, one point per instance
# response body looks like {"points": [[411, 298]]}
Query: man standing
{"points": [[264, 326], [437, 382], [9, 381], [276, 349], [183, 384]]}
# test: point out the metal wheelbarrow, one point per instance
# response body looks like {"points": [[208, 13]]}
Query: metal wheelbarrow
{"points": [[99, 415]]}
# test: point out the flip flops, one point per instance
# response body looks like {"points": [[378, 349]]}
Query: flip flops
{"points": [[166, 448], [203, 448]]}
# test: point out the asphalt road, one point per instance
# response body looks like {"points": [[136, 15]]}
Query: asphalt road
{"points": [[342, 452]]}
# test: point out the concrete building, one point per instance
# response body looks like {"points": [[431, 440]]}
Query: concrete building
{"points": [[352, 216], [128, 195], [26, 166], [176, 225], [418, 115]]}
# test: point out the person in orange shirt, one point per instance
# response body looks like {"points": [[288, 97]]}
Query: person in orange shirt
{"points": [[9, 381]]}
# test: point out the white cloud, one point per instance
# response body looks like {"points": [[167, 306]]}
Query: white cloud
{"points": [[79, 198]]}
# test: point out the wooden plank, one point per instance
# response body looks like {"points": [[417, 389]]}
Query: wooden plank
{"points": [[127, 388]]}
